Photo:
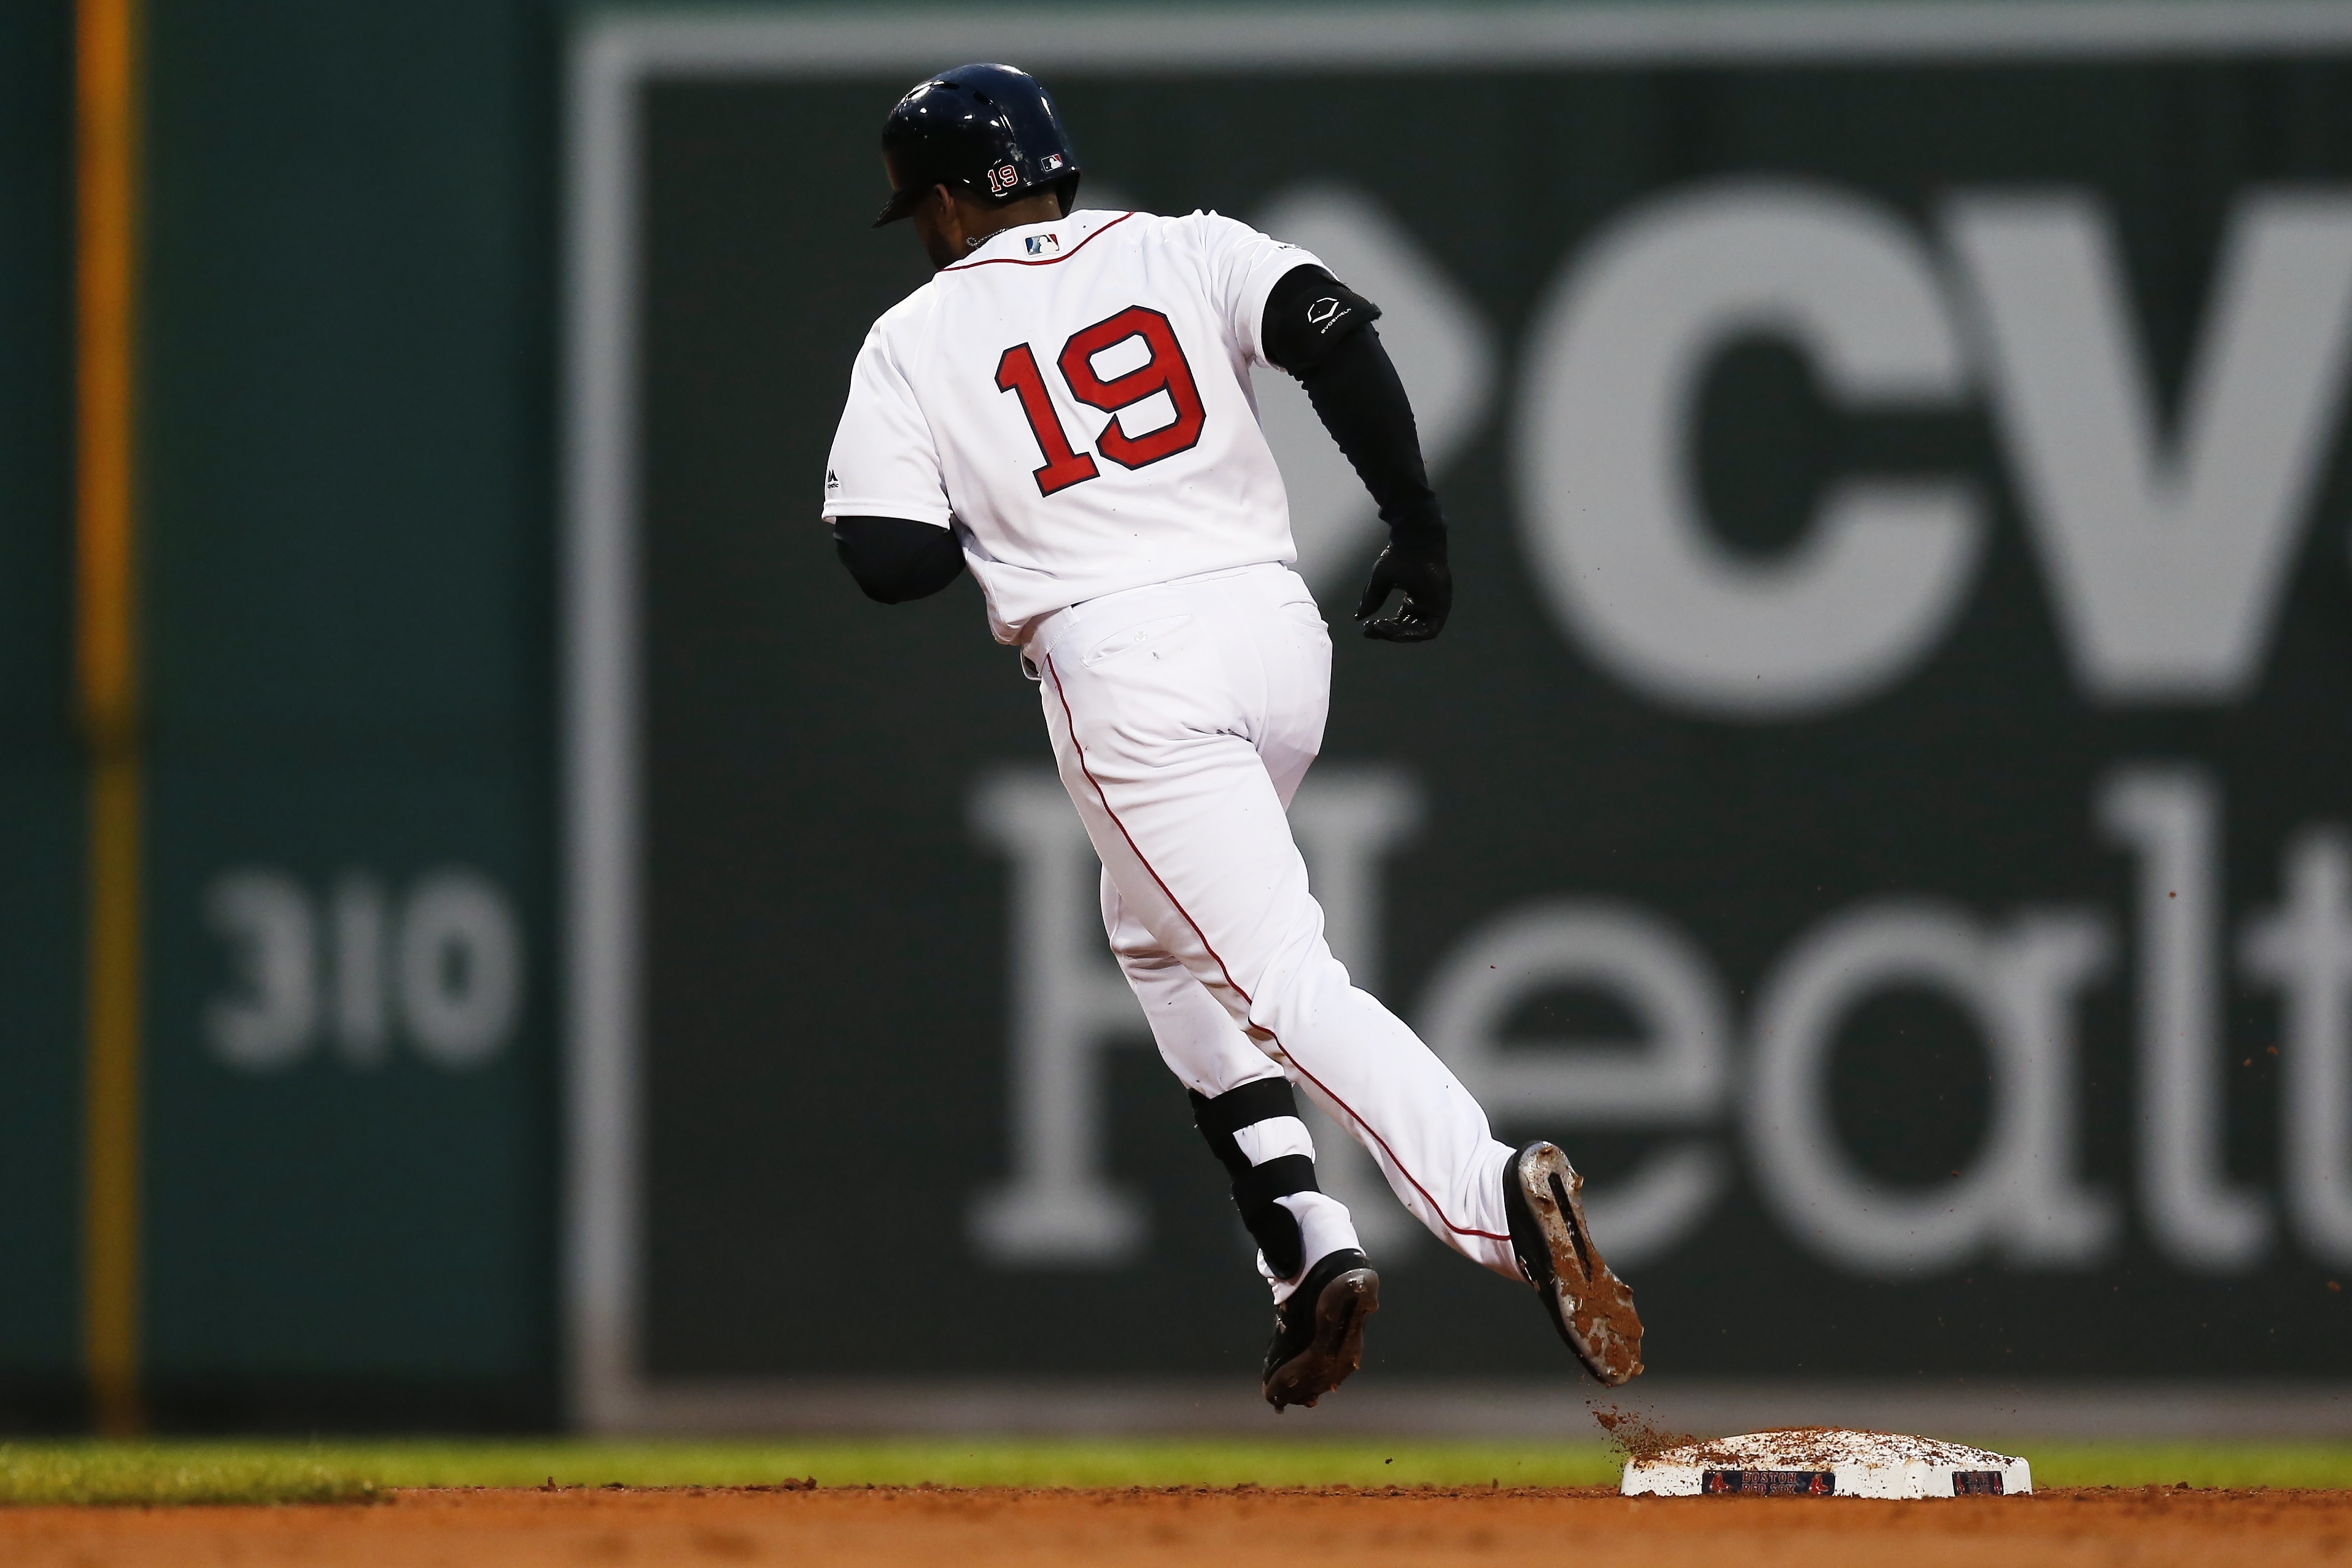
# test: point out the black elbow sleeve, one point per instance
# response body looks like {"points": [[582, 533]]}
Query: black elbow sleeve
{"points": [[1309, 314], [895, 559]]}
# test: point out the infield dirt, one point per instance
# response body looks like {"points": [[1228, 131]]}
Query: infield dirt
{"points": [[1371, 1528]]}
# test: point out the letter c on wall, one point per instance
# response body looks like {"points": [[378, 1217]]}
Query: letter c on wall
{"points": [[1607, 500]]}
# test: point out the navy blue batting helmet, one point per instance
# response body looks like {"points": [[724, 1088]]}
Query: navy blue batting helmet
{"points": [[990, 129]]}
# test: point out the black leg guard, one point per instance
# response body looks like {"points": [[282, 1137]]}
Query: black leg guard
{"points": [[1255, 1187]]}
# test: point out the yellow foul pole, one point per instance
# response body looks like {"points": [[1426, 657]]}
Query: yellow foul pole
{"points": [[106, 143]]}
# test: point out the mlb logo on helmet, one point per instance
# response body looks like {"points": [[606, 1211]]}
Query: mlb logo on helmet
{"points": [[1053, 161]]}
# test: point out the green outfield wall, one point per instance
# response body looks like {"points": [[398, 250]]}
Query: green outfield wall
{"points": [[347, 1203], [1885, 799], [40, 769], [351, 996]]}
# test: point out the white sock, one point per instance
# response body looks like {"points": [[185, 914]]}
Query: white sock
{"points": [[1324, 1228]]}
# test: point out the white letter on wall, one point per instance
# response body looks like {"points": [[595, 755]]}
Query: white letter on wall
{"points": [[1345, 819], [1068, 1002], [2020, 1190], [1607, 497], [266, 918], [2166, 562], [356, 916], [1672, 1076], [460, 968], [2170, 818], [2304, 947]]}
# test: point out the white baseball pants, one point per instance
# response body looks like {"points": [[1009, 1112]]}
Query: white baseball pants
{"points": [[1183, 717]]}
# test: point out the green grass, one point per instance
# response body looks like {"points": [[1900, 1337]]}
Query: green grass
{"points": [[2326, 1465], [203, 1472], [177, 1473], [1000, 1462]]}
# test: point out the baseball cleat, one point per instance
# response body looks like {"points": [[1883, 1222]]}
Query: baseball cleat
{"points": [[1589, 1304], [1318, 1333]]}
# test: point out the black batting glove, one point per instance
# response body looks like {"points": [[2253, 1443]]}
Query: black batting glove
{"points": [[1413, 565]]}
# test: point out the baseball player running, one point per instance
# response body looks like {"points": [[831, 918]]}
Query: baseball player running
{"points": [[1065, 411]]}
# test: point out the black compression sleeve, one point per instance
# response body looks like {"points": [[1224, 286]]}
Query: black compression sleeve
{"points": [[1357, 396], [896, 559]]}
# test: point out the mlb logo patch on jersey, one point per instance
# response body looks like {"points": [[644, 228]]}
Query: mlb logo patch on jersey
{"points": [[1045, 244]]}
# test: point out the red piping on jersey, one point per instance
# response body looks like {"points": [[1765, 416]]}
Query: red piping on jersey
{"points": [[1070, 719], [1042, 260]]}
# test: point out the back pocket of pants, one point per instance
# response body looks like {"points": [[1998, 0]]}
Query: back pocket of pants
{"points": [[1160, 636]]}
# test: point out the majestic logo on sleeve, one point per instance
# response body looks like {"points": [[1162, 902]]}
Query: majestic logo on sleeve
{"points": [[832, 481], [1324, 312]]}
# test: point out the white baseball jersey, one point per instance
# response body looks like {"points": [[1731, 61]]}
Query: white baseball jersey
{"points": [[1074, 398]]}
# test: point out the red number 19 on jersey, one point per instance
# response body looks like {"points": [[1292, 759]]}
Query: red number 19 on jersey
{"points": [[1166, 371]]}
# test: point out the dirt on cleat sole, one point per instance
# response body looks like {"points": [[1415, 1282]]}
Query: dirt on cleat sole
{"points": [[1336, 1347], [1593, 1309]]}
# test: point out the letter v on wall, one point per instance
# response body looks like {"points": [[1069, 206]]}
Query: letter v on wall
{"points": [[2166, 560]]}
